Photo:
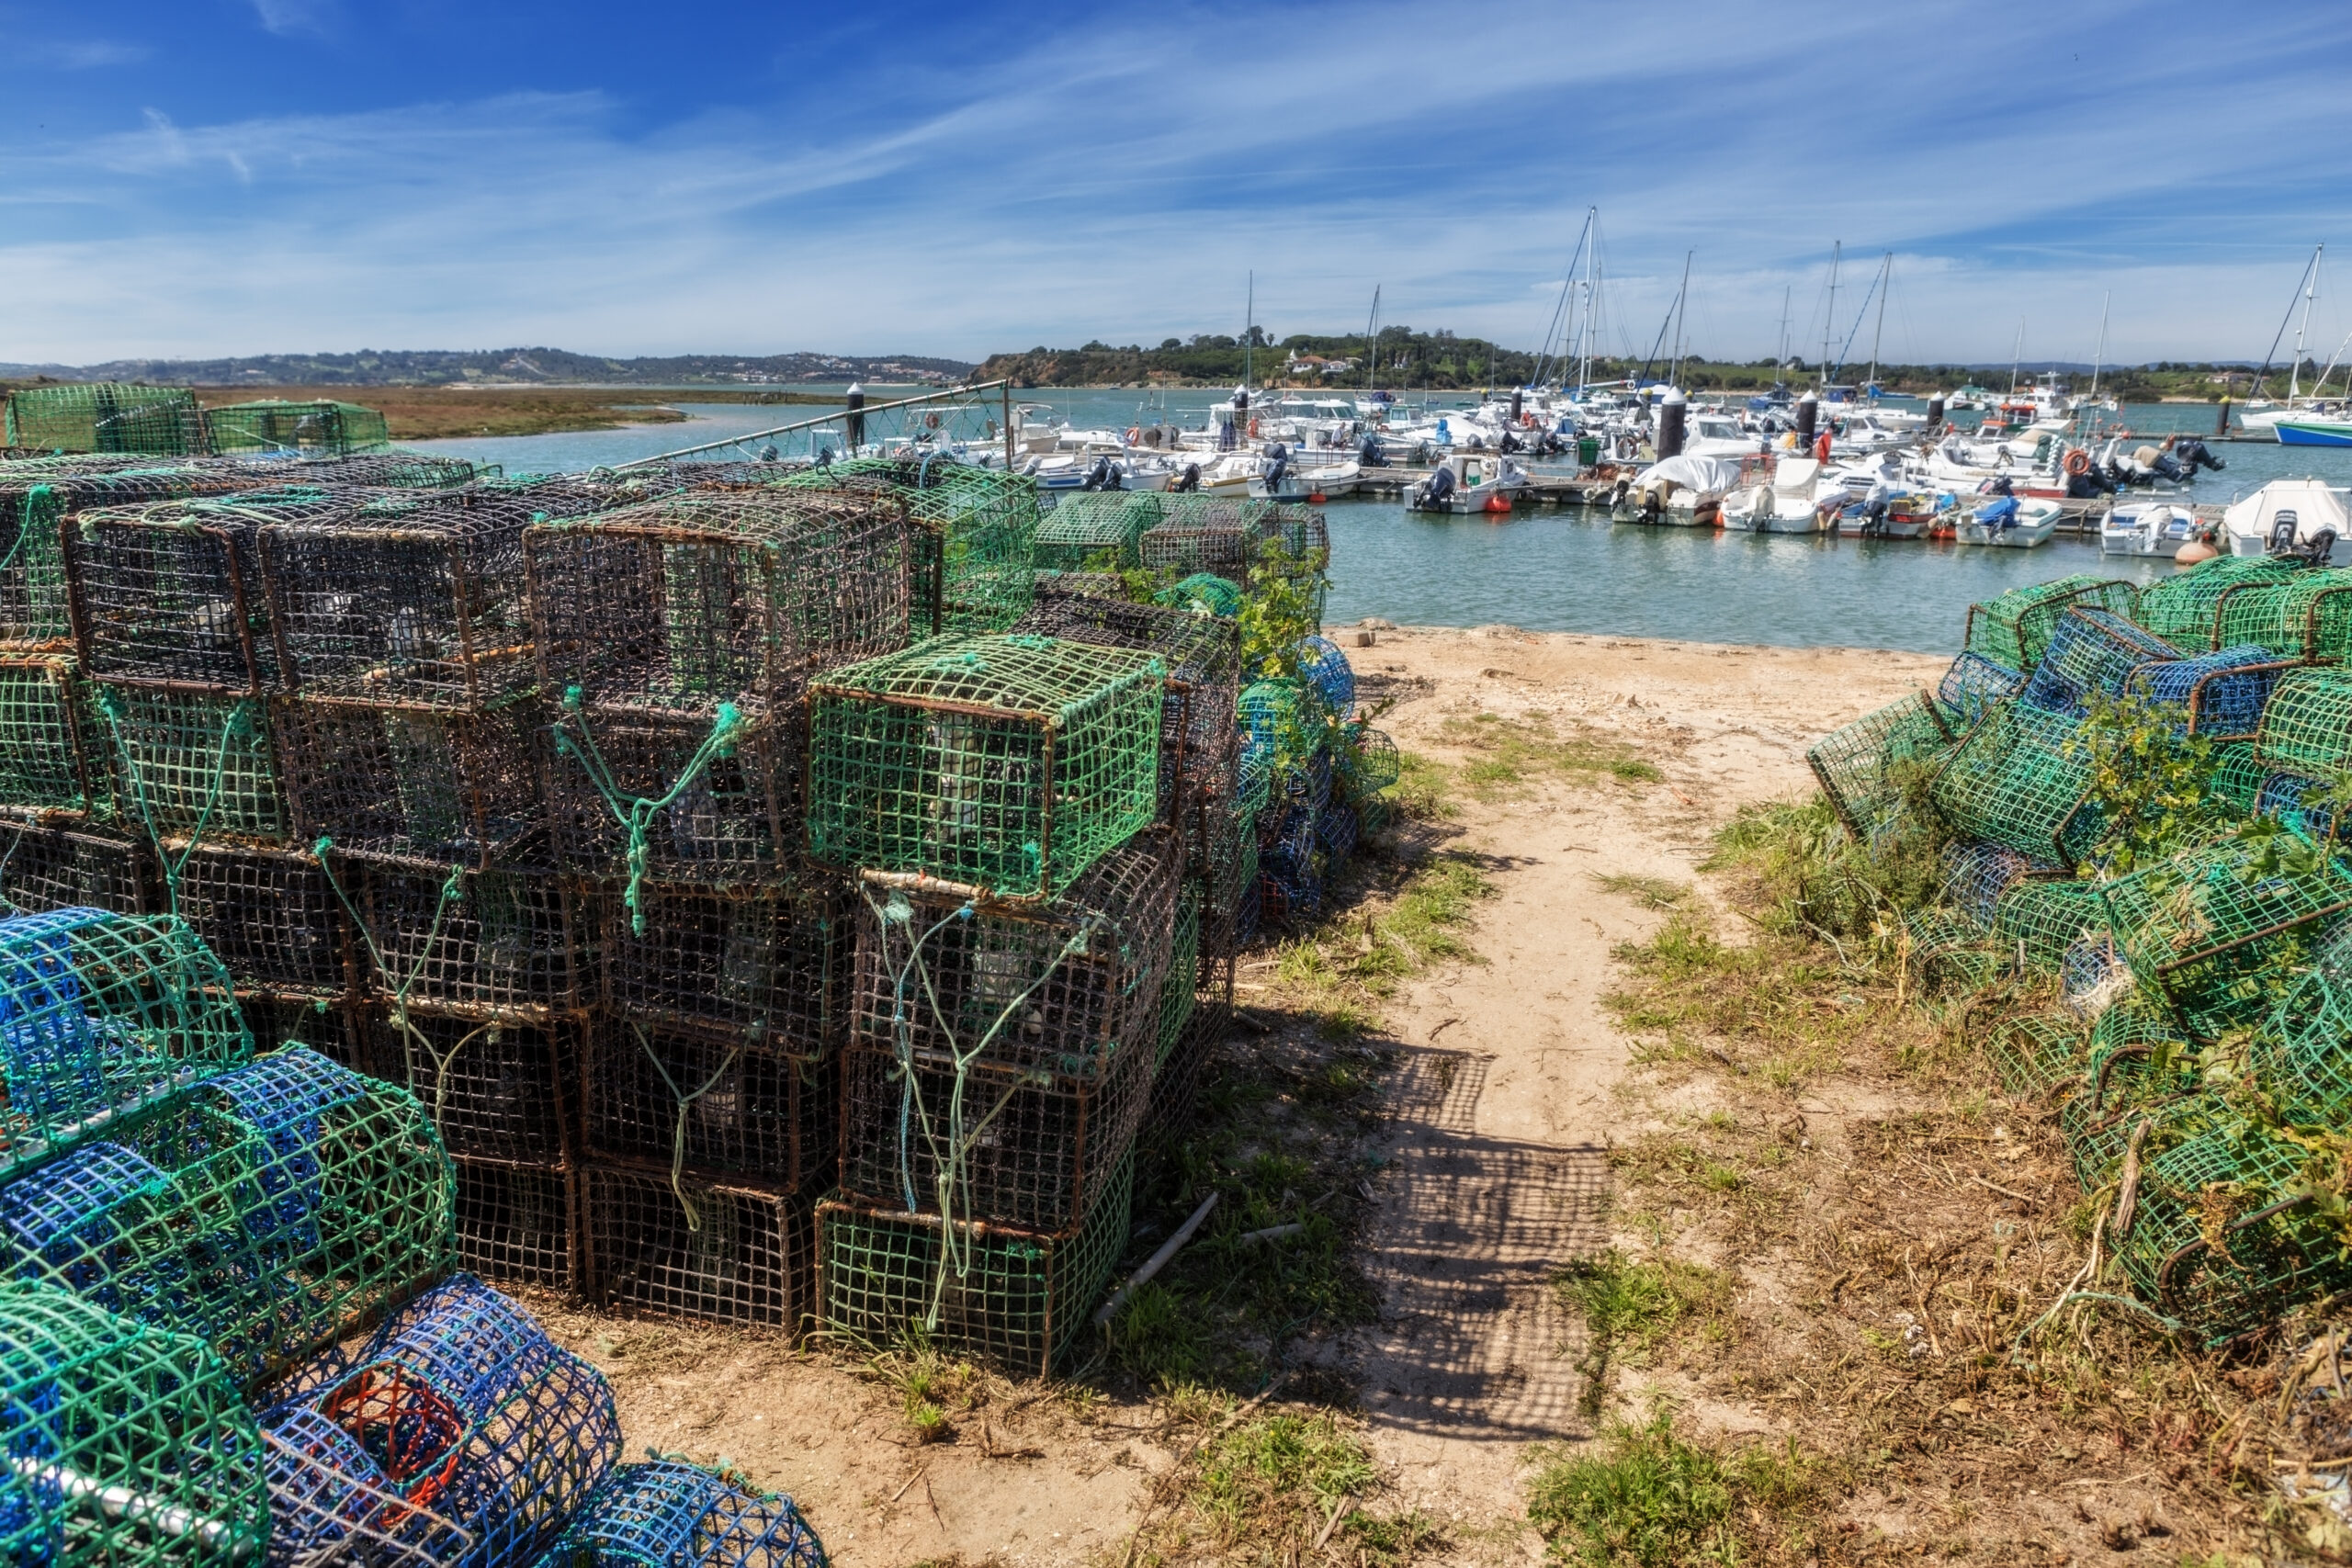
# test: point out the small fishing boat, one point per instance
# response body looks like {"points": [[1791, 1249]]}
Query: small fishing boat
{"points": [[2284, 513], [1469, 481], [2146, 528], [1784, 504], [2008, 521], [1685, 492], [2314, 430]]}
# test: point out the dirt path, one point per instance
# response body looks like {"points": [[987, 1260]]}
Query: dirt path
{"points": [[1503, 1114]]}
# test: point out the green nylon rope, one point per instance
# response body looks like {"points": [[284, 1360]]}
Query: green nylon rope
{"points": [[635, 812], [239, 721], [685, 1104], [412, 1037]]}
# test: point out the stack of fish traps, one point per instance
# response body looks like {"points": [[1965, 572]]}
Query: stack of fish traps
{"points": [[234, 1322], [2233, 949]]}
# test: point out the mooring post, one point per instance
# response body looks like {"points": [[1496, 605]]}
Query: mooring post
{"points": [[2222, 421], [854, 428]]}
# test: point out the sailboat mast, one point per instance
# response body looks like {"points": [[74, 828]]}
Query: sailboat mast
{"points": [[1249, 327], [2014, 353], [1829, 318], [1781, 365], [2310, 287], [1371, 339], [1681, 300], [2099, 355], [1886, 277], [1591, 256]]}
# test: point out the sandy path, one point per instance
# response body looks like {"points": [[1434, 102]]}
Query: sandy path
{"points": [[1503, 1113]]}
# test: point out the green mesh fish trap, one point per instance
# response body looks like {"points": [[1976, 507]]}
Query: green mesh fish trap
{"points": [[772, 968], [2218, 696], [983, 522], [34, 604], [107, 416], [2303, 1055], [2238, 774], [194, 764], [417, 599], [2019, 779], [460, 1435], [1860, 766], [2036, 1056], [1205, 592], [2225, 1237], [2305, 615], [54, 749], [2283, 796], [273, 916], [519, 1221], [60, 868], [418, 784], [126, 1446], [2184, 609], [681, 801], [668, 1515], [2090, 652], [1972, 685], [103, 1017], [289, 1204], [711, 1102], [2013, 630], [1005, 764], [730, 1250], [2039, 920], [2307, 727], [2139, 1069], [2216, 935], [1086, 531], [1188, 552], [514, 943], [675, 607], [2092, 976], [495, 1089], [314, 429], [1944, 953], [1015, 1300]]}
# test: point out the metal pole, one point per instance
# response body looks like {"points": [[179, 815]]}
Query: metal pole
{"points": [[800, 424], [1004, 397]]}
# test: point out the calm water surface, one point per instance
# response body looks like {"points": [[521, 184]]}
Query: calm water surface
{"points": [[1561, 570]]}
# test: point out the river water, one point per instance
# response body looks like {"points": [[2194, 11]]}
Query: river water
{"points": [[1551, 568]]}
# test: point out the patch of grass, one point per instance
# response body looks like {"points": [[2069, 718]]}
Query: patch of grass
{"points": [[1650, 892], [933, 1387], [1645, 1497], [1421, 789], [1631, 1307], [1505, 755], [1276, 1481]]}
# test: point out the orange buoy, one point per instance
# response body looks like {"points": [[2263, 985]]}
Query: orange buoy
{"points": [[2194, 553], [1499, 502], [1315, 500]]}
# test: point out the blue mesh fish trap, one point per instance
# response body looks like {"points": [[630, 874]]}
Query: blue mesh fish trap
{"points": [[1976, 874], [2282, 795], [1327, 672], [121, 1446], [102, 1016], [2090, 651], [1336, 828], [1973, 684], [2220, 696], [284, 1206], [667, 1515], [461, 1428]]}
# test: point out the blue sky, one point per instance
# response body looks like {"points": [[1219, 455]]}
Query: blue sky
{"points": [[233, 176]]}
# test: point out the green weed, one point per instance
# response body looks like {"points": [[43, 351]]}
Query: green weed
{"points": [[1280, 1474], [1650, 892], [1631, 1307], [1505, 755], [1647, 1498]]}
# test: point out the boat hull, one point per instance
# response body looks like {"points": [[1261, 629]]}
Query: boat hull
{"points": [[2314, 433]]}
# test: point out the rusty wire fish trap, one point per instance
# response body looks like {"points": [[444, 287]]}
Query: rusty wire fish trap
{"points": [[711, 1103], [1096, 530], [773, 967], [505, 941], [982, 526], [495, 1087], [419, 785], [72, 867], [520, 1221], [272, 915], [194, 764], [125, 1445], [733, 1249]]}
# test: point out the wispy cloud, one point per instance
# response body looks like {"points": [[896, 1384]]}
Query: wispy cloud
{"points": [[1119, 180], [294, 17], [77, 55]]}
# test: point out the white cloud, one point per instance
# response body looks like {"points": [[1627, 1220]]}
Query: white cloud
{"points": [[289, 18]]}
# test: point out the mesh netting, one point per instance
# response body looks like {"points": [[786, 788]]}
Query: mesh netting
{"points": [[1976, 874], [2282, 614], [2092, 976], [2037, 920], [1326, 670], [1011, 763], [1084, 585], [194, 764], [273, 425], [1085, 531], [333, 1030], [2036, 1054], [294, 1203], [2223, 1237], [675, 800], [2130, 1081], [669, 1515], [519, 1221], [516, 943], [2185, 608], [712, 1103], [2018, 780], [121, 1445], [1945, 953], [2013, 629], [982, 524], [1192, 551], [1176, 1086], [1973, 684], [2091, 651], [2307, 728], [273, 916], [460, 1433], [411, 783], [2282, 796], [53, 750], [1859, 766], [2216, 935], [728, 1249], [494, 1088], [1212, 593], [2304, 1054], [102, 1016], [59, 868], [2221, 695], [2237, 775], [677, 607], [773, 967], [1013, 1300], [107, 416]]}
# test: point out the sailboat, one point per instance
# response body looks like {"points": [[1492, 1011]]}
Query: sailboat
{"points": [[2301, 421]]}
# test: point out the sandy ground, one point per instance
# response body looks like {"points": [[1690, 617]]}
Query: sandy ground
{"points": [[1501, 1116]]}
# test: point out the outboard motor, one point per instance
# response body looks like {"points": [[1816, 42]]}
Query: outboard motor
{"points": [[2283, 526], [1935, 410], [1277, 465], [2168, 467], [2319, 547], [767, 453], [2192, 451], [1509, 444], [1440, 491], [1187, 481], [1997, 485], [1370, 454], [1099, 476]]}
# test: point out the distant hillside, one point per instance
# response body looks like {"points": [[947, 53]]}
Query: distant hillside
{"points": [[427, 368]]}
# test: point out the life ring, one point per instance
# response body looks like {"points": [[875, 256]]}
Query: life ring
{"points": [[1134, 434], [1253, 430], [2078, 462], [931, 422]]}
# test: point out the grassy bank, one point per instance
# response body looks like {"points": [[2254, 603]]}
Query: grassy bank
{"points": [[442, 413]]}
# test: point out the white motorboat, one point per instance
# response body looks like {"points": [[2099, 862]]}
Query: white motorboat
{"points": [[2291, 513], [1713, 434], [2146, 528], [1469, 481], [1784, 504], [1685, 492], [2008, 521]]}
